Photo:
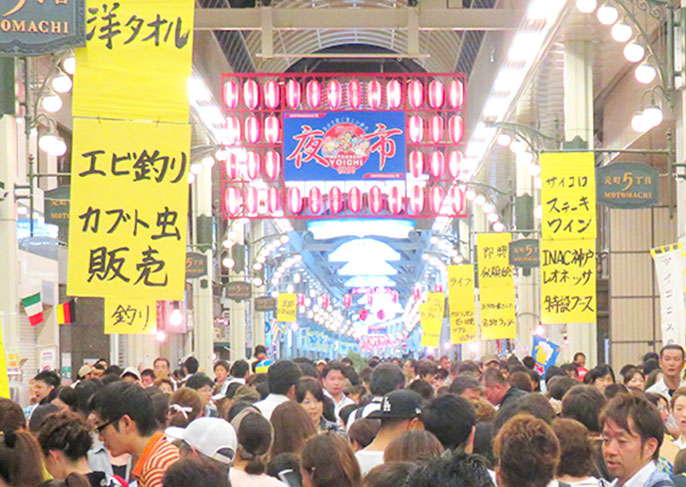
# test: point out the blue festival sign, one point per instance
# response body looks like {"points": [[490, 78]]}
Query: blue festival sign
{"points": [[343, 146], [545, 353]]}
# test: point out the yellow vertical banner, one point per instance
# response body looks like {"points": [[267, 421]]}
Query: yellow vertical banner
{"points": [[4, 376], [130, 316], [287, 307], [461, 303], [496, 286], [431, 319], [129, 209], [568, 196], [136, 62], [568, 281]]}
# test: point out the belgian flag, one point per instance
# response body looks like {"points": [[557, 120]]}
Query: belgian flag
{"points": [[66, 313]]}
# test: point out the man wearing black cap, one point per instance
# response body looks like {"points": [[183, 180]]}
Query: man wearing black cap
{"points": [[399, 412]]}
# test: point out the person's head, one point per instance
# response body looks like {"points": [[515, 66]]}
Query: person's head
{"points": [[202, 384], [43, 384], [580, 359], [529, 362], [679, 463], [521, 380], [485, 411], [445, 363], [584, 403], [328, 461], [362, 432], [600, 376], [528, 453], [632, 435], [333, 378], [39, 414], [570, 370], [255, 436], [399, 411], [423, 388], [190, 365], [124, 414], [20, 459], [653, 376], [558, 386], [451, 419], [412, 446], [239, 369], [221, 370], [458, 471], [131, 375], [633, 377], [613, 389], [410, 369], [65, 439], [147, 377], [185, 405], [576, 452], [466, 386], [260, 352], [282, 377], [389, 474], [495, 385], [534, 404], [165, 385], [426, 369], [11, 416], [161, 367], [285, 461], [292, 428], [679, 409], [196, 472], [661, 403], [212, 439], [85, 390], [672, 361], [310, 395], [385, 378]]}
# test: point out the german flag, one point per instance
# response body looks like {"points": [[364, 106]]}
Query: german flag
{"points": [[66, 313]]}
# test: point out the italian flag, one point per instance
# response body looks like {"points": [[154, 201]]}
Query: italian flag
{"points": [[34, 308]]}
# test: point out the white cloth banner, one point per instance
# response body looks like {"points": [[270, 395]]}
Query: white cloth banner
{"points": [[669, 267]]}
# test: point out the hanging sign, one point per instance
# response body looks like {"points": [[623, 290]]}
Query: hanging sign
{"points": [[265, 303], [129, 210], [669, 270], [196, 265], [287, 307], [568, 281], [627, 185], [568, 196], [130, 316], [56, 206], [545, 354], [136, 62], [525, 253], [431, 319], [238, 290], [496, 286], [32, 28], [461, 303]]}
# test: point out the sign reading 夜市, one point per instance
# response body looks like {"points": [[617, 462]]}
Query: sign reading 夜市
{"points": [[627, 185], [30, 28], [339, 146]]}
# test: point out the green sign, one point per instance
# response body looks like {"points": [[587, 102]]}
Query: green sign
{"points": [[57, 206], [238, 290], [525, 253], [265, 303], [627, 185], [196, 265]]}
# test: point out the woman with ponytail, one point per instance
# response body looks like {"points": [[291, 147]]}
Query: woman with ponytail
{"points": [[184, 406], [328, 461], [20, 460]]}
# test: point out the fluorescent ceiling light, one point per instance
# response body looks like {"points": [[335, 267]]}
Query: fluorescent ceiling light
{"points": [[197, 91], [525, 46], [326, 229], [507, 78], [366, 267], [496, 106], [365, 248], [369, 281]]}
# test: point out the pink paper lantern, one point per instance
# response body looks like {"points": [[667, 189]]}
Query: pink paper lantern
{"points": [[375, 200], [456, 129], [395, 200], [355, 200], [416, 199], [334, 94], [454, 163], [272, 94], [231, 94], [231, 166], [436, 129], [313, 93], [416, 129], [458, 200], [251, 94], [233, 130], [354, 94], [252, 129], [374, 94], [252, 165], [295, 201], [273, 199], [394, 94], [293, 93], [436, 195], [436, 94], [316, 200], [232, 200], [251, 200], [415, 94], [271, 129], [416, 163], [455, 94], [335, 200], [272, 165], [436, 164]]}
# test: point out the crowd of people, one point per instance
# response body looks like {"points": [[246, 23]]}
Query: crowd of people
{"points": [[393, 423]]}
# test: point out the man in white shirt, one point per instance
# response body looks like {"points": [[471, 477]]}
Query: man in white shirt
{"points": [[672, 365], [632, 432], [281, 379], [333, 381]]}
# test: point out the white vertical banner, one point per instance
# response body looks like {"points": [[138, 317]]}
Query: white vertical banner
{"points": [[669, 268]]}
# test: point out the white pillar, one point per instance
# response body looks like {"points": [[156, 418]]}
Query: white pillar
{"points": [[578, 103], [203, 304], [257, 233], [680, 139], [237, 327]]}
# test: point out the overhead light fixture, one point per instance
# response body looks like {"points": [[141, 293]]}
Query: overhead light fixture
{"points": [[480, 200], [498, 227], [645, 73], [52, 144], [207, 162], [653, 115], [607, 14], [634, 51], [61, 83], [470, 194], [51, 102], [493, 217], [538, 212], [586, 6], [504, 140], [621, 32], [534, 169], [196, 168]]}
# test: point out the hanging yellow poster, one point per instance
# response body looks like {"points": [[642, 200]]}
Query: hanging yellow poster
{"points": [[129, 209], [496, 286], [286, 307], [136, 62], [130, 316], [431, 319], [4, 377], [461, 303], [568, 196], [568, 281]]}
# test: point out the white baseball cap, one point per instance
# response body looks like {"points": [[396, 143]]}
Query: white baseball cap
{"points": [[209, 436]]}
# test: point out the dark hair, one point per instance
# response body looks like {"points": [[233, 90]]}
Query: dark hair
{"points": [[577, 355], [426, 367], [222, 363], [125, 399], [184, 397], [645, 416], [239, 369], [282, 375], [558, 386], [149, 372], [292, 428], [254, 440], [72, 480], [554, 371], [576, 452], [459, 471], [198, 381], [463, 382], [346, 411], [237, 408], [160, 406], [363, 431], [20, 459], [597, 372], [679, 463], [84, 391], [333, 365], [260, 349], [113, 370], [191, 365], [197, 472], [451, 418], [672, 346], [308, 384], [161, 359], [528, 452], [529, 362], [11, 416], [613, 389], [388, 474], [67, 432], [39, 414], [629, 374], [284, 461], [533, 404], [584, 403], [467, 367], [413, 445], [483, 441], [570, 367], [385, 378], [49, 377], [652, 376], [423, 388], [108, 379], [494, 376], [521, 381], [330, 461], [413, 363]]}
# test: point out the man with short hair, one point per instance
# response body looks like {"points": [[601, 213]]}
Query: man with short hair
{"points": [[147, 377], [239, 369], [203, 385], [385, 378], [452, 420], [333, 381], [466, 386], [161, 367], [426, 370], [632, 435], [125, 421], [281, 379], [190, 366], [497, 390], [672, 365], [44, 383], [410, 370], [445, 363]]}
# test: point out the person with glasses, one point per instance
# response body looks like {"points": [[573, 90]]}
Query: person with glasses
{"points": [[125, 422]]}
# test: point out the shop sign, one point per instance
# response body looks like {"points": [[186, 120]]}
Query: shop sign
{"points": [[627, 185], [57, 206], [525, 253], [32, 28], [196, 265], [238, 290], [265, 303]]}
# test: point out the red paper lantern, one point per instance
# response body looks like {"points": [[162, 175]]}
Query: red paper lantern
{"points": [[293, 93], [231, 94], [436, 94], [335, 200], [374, 94], [456, 129], [251, 200], [232, 200], [252, 165], [436, 164], [233, 130], [416, 129], [416, 163], [355, 200], [436, 196], [416, 293], [457, 196], [251, 94], [273, 199], [364, 314], [313, 93], [324, 301], [380, 314], [295, 201], [415, 94], [438, 287], [354, 94], [395, 200], [375, 199], [454, 163], [394, 94], [436, 129], [416, 199], [347, 300], [316, 203], [271, 129], [272, 94], [455, 94], [252, 129], [272, 165], [334, 94], [231, 166]]}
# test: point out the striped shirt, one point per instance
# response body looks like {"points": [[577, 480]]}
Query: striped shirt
{"points": [[157, 457]]}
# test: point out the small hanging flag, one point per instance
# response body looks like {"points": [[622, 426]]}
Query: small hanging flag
{"points": [[65, 313], [33, 308]]}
